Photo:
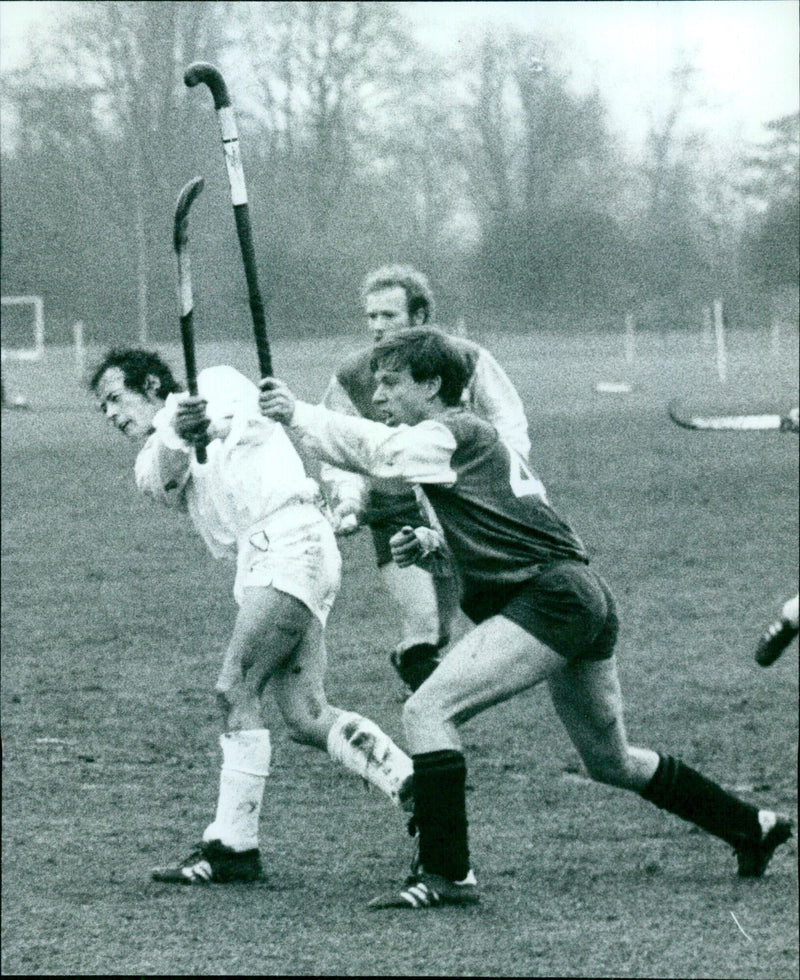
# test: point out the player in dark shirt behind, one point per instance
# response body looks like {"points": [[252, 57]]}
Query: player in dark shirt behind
{"points": [[540, 612]]}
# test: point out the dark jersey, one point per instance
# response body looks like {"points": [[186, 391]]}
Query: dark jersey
{"points": [[495, 517], [492, 510]]}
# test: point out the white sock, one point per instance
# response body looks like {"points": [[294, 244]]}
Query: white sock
{"points": [[360, 746], [245, 767]]}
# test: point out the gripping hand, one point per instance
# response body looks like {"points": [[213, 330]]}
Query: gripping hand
{"points": [[276, 400], [406, 547], [346, 517], [191, 422]]}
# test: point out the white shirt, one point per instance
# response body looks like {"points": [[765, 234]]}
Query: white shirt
{"points": [[252, 473]]}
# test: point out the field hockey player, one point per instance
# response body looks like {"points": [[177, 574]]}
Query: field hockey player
{"points": [[253, 504], [540, 613]]}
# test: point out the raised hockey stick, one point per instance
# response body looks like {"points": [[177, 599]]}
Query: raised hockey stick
{"points": [[201, 71], [740, 423], [181, 242]]}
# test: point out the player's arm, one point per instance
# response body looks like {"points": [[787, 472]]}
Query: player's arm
{"points": [[495, 399], [163, 466], [347, 491], [417, 454]]}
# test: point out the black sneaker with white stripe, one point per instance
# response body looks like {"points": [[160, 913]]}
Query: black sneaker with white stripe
{"points": [[427, 891], [211, 862], [753, 856]]}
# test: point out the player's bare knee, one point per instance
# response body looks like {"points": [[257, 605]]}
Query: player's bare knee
{"points": [[611, 769], [423, 708]]}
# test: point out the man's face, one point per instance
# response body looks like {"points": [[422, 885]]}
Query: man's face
{"points": [[386, 310], [129, 411], [399, 398]]}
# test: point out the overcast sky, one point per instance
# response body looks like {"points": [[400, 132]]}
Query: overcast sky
{"points": [[747, 50]]}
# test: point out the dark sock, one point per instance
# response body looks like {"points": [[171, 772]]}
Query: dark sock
{"points": [[416, 664], [440, 813], [690, 795]]}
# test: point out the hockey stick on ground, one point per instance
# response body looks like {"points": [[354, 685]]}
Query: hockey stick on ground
{"points": [[180, 242], [740, 423], [196, 73]]}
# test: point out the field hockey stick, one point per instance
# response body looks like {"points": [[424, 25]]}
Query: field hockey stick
{"points": [[720, 423], [196, 73], [181, 242]]}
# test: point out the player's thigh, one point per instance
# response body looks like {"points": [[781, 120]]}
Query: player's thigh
{"points": [[493, 662], [268, 628]]}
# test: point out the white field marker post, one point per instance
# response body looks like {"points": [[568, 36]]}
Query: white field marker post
{"points": [[719, 333], [630, 338], [708, 330], [80, 348]]}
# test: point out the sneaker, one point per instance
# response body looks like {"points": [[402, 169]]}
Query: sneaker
{"points": [[754, 856], [426, 891], [774, 641], [212, 862]]}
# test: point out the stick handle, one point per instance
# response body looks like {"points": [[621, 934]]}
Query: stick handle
{"points": [[180, 240], [240, 213], [187, 339]]}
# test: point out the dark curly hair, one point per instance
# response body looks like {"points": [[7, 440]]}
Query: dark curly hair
{"points": [[427, 353], [136, 366]]}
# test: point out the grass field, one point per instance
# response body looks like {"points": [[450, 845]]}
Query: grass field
{"points": [[114, 618]]}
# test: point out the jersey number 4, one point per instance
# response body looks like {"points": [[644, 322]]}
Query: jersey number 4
{"points": [[523, 482]]}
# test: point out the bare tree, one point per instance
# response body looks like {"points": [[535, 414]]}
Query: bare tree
{"points": [[107, 97]]}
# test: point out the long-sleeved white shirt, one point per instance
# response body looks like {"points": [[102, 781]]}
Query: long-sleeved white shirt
{"points": [[253, 472]]}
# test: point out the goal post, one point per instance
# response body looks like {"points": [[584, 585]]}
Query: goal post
{"points": [[22, 336]]}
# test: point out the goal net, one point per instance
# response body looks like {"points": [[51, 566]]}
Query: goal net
{"points": [[22, 328]]}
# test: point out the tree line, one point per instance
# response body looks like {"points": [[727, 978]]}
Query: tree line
{"points": [[486, 169]]}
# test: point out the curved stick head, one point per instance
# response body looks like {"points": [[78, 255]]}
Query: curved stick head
{"points": [[185, 198], [202, 71]]}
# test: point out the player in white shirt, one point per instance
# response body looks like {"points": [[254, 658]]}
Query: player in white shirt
{"points": [[253, 504], [398, 297], [540, 613]]}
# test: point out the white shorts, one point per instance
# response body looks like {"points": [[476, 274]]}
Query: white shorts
{"points": [[294, 551]]}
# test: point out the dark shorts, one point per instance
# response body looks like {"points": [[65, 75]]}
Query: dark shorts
{"points": [[566, 606], [386, 515]]}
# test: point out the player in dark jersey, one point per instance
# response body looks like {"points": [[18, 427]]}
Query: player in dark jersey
{"points": [[395, 298], [540, 612]]}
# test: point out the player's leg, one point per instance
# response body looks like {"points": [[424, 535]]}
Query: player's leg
{"points": [[453, 624], [778, 635], [490, 664], [587, 697], [350, 739], [416, 654], [412, 589], [268, 628]]}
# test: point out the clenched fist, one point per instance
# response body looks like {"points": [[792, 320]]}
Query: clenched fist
{"points": [[276, 400]]}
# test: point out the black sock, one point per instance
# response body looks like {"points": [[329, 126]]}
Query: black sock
{"points": [[440, 813], [688, 794]]}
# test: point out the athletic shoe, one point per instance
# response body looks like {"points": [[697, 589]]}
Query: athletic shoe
{"points": [[212, 862], [754, 856], [774, 641], [426, 891]]}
